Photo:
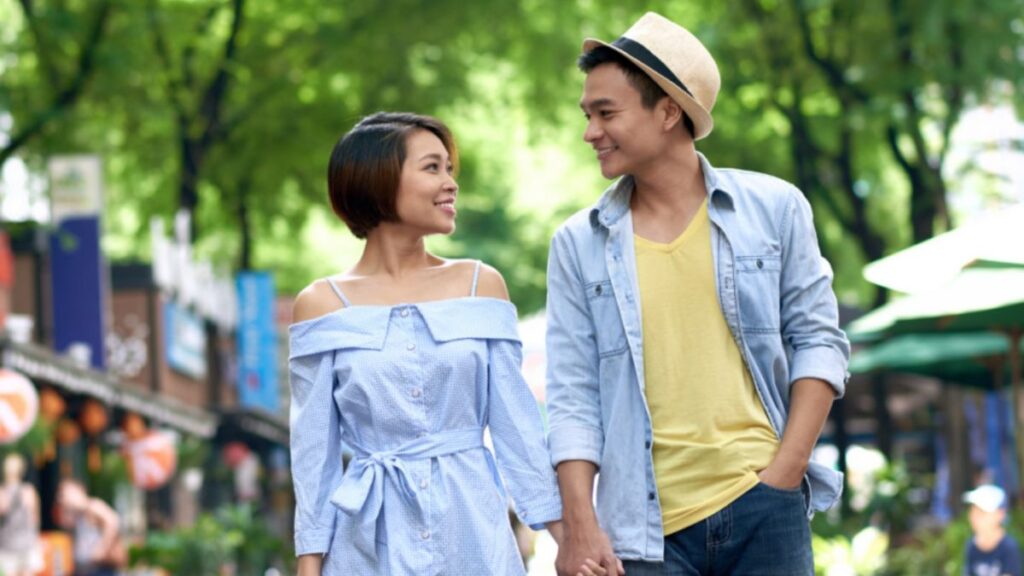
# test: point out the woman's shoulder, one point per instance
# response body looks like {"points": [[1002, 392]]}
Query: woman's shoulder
{"points": [[315, 300], [489, 281]]}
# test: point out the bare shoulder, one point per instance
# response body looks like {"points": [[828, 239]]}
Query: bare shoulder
{"points": [[491, 284], [314, 301]]}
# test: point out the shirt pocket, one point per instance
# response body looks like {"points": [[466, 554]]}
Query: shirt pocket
{"points": [[757, 281], [608, 329]]}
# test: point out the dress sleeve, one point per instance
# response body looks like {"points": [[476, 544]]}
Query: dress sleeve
{"points": [[518, 435], [315, 450]]}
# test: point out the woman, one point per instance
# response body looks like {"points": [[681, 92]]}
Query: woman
{"points": [[19, 521], [405, 360]]}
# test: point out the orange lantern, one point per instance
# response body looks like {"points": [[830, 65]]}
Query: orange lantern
{"points": [[134, 426], [19, 405], [93, 417], [68, 432], [151, 459], [51, 405]]}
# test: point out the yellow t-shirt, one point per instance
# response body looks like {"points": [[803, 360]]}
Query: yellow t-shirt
{"points": [[711, 433]]}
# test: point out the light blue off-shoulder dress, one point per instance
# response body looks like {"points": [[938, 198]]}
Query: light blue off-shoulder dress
{"points": [[410, 390]]}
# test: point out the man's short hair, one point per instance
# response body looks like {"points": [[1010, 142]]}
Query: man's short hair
{"points": [[650, 92], [366, 167]]}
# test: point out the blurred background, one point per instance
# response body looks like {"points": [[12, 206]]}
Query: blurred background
{"points": [[162, 198]]}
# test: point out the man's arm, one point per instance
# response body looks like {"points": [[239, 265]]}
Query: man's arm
{"points": [[810, 400], [109, 524], [810, 331], [583, 537], [574, 410]]}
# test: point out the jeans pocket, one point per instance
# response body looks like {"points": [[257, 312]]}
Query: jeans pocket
{"points": [[797, 491]]}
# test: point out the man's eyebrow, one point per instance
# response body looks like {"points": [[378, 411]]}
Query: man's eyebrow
{"points": [[595, 103]]}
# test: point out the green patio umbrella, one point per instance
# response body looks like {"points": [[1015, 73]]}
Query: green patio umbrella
{"points": [[985, 296], [971, 358], [997, 236]]}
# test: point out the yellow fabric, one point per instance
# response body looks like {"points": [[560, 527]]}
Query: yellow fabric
{"points": [[711, 433]]}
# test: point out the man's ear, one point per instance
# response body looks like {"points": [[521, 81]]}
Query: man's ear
{"points": [[672, 114]]}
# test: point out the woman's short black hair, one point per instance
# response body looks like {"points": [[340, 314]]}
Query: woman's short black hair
{"points": [[366, 167]]}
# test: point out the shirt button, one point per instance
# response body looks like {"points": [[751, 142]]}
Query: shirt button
{"points": [[416, 392], [410, 347], [404, 312], [425, 534], [424, 483], [650, 496], [647, 445]]}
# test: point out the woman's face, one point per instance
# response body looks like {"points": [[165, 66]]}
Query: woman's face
{"points": [[426, 189]]}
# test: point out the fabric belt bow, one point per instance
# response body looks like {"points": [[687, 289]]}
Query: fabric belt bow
{"points": [[361, 492]]}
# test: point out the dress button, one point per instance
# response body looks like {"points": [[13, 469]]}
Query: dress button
{"points": [[425, 534], [424, 483], [410, 347], [404, 312], [416, 392]]}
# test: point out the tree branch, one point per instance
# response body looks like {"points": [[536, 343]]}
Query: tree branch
{"points": [[172, 84], [213, 99], [69, 94], [42, 48]]}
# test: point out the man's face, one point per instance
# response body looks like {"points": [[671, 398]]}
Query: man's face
{"points": [[626, 136]]}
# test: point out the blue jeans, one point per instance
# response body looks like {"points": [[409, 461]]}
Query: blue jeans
{"points": [[765, 532]]}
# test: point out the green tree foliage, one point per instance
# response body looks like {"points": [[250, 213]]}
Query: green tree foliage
{"points": [[230, 108]]}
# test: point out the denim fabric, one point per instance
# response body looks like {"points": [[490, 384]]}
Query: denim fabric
{"points": [[763, 533], [410, 390], [775, 292]]}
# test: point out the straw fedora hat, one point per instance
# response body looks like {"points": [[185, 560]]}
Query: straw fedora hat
{"points": [[676, 61]]}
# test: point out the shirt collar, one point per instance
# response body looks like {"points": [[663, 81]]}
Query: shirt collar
{"points": [[614, 202]]}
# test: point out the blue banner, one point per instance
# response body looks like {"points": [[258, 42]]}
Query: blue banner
{"points": [[257, 342], [185, 339], [78, 283]]}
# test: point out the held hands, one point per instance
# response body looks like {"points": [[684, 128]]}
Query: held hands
{"points": [[586, 551]]}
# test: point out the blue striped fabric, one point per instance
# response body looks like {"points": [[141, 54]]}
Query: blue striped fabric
{"points": [[410, 390]]}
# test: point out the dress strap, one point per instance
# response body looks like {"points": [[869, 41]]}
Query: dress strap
{"points": [[341, 295], [476, 276]]}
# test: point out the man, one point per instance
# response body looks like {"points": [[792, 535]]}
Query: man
{"points": [[95, 527], [991, 551], [693, 347]]}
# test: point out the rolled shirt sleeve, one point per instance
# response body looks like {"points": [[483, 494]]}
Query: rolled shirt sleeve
{"points": [[810, 315], [573, 396]]}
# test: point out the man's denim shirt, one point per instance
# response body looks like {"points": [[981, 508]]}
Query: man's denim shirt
{"points": [[775, 291]]}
